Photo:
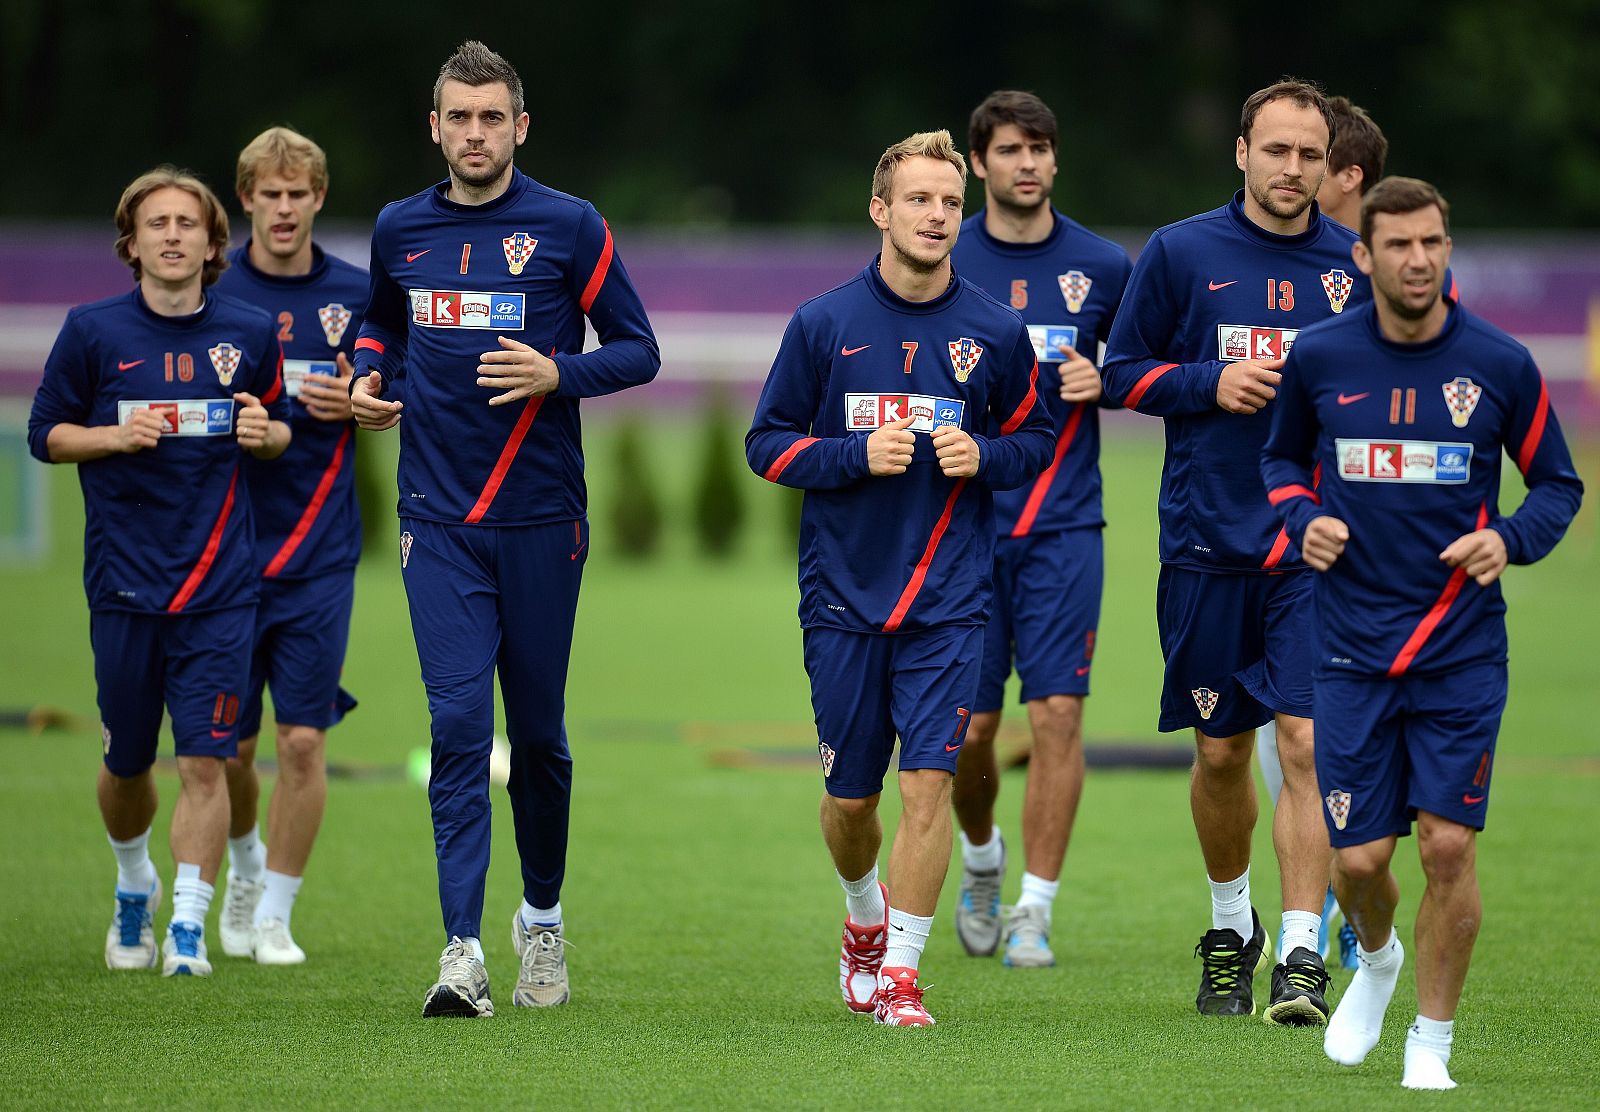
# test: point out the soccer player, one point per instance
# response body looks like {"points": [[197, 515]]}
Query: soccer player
{"points": [[1066, 282], [1355, 164], [1213, 305], [480, 287], [1405, 407], [153, 394], [896, 401], [308, 538]]}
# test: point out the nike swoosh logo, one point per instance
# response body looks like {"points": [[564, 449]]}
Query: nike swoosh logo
{"points": [[1348, 399], [951, 748], [410, 258], [1084, 671], [1215, 286], [220, 734], [121, 366], [1472, 800], [852, 351]]}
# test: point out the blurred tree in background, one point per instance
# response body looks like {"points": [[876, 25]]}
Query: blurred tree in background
{"points": [[635, 505], [718, 501], [708, 114]]}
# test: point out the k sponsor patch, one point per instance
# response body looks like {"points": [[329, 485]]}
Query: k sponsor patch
{"points": [[185, 417], [1338, 808], [1403, 461], [467, 309], [1249, 341], [1048, 338], [865, 412], [295, 371]]}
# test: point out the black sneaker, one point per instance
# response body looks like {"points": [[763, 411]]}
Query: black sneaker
{"points": [[1299, 985], [1227, 966]]}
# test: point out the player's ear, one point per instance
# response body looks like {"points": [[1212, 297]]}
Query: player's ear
{"points": [[244, 203], [879, 211], [1240, 151], [322, 196], [522, 128], [433, 126], [975, 160], [1362, 257]]}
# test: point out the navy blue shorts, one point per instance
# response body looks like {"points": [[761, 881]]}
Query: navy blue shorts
{"points": [[866, 688], [1237, 647], [1388, 748], [302, 629], [194, 665], [1046, 607]]}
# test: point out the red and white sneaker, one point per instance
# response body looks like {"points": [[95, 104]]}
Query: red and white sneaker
{"points": [[860, 958], [900, 1000]]}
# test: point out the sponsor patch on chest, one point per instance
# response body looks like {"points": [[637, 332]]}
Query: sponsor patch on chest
{"points": [[186, 416], [1048, 340], [1403, 461], [295, 371], [467, 309], [1249, 341], [865, 412]]}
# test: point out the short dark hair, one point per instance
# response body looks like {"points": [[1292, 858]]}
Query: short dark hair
{"points": [[475, 64], [168, 176], [1399, 196], [1010, 106], [1361, 142], [1306, 94]]}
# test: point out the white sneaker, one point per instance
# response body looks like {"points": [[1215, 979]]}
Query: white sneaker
{"points": [[542, 979], [274, 945], [184, 951], [131, 941], [236, 925], [978, 908], [1028, 938], [463, 985]]}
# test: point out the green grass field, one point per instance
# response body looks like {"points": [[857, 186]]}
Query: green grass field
{"points": [[702, 911]]}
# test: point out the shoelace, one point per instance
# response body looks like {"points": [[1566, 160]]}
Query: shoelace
{"points": [[864, 957], [1307, 977], [903, 994], [1222, 967], [456, 966], [984, 892], [1025, 922], [541, 961], [133, 916], [185, 940], [236, 908]]}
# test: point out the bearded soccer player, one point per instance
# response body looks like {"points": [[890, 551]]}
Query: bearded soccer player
{"points": [[1405, 407], [1066, 282], [480, 287], [153, 394], [1214, 304], [896, 402], [308, 538]]}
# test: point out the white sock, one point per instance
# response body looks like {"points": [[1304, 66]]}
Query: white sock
{"points": [[985, 858], [1038, 892], [1267, 758], [1230, 906], [908, 934], [1357, 1022], [277, 897], [863, 898], [475, 946], [191, 896], [1428, 1054], [247, 858], [135, 871], [1300, 928], [540, 916]]}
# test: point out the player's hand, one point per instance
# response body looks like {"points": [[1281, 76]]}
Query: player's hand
{"points": [[890, 446], [1324, 541], [519, 370], [957, 452], [1248, 385], [327, 397], [372, 412], [250, 422], [1482, 554], [1080, 378], [142, 431]]}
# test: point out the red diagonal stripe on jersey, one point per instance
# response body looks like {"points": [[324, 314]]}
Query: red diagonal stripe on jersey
{"points": [[367, 343], [503, 464], [198, 573], [277, 381], [308, 516], [598, 278], [1530, 443], [909, 595], [1041, 485], [1281, 544], [1143, 385], [1434, 616], [783, 461], [1025, 406], [1294, 490]]}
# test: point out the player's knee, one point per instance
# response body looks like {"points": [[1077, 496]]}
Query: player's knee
{"points": [[1057, 721], [124, 769], [245, 759], [1446, 849], [981, 731], [1361, 864], [850, 810], [202, 775], [1223, 756], [1295, 743], [301, 750]]}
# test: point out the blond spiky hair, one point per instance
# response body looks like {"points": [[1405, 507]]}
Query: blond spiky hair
{"points": [[924, 144]]}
